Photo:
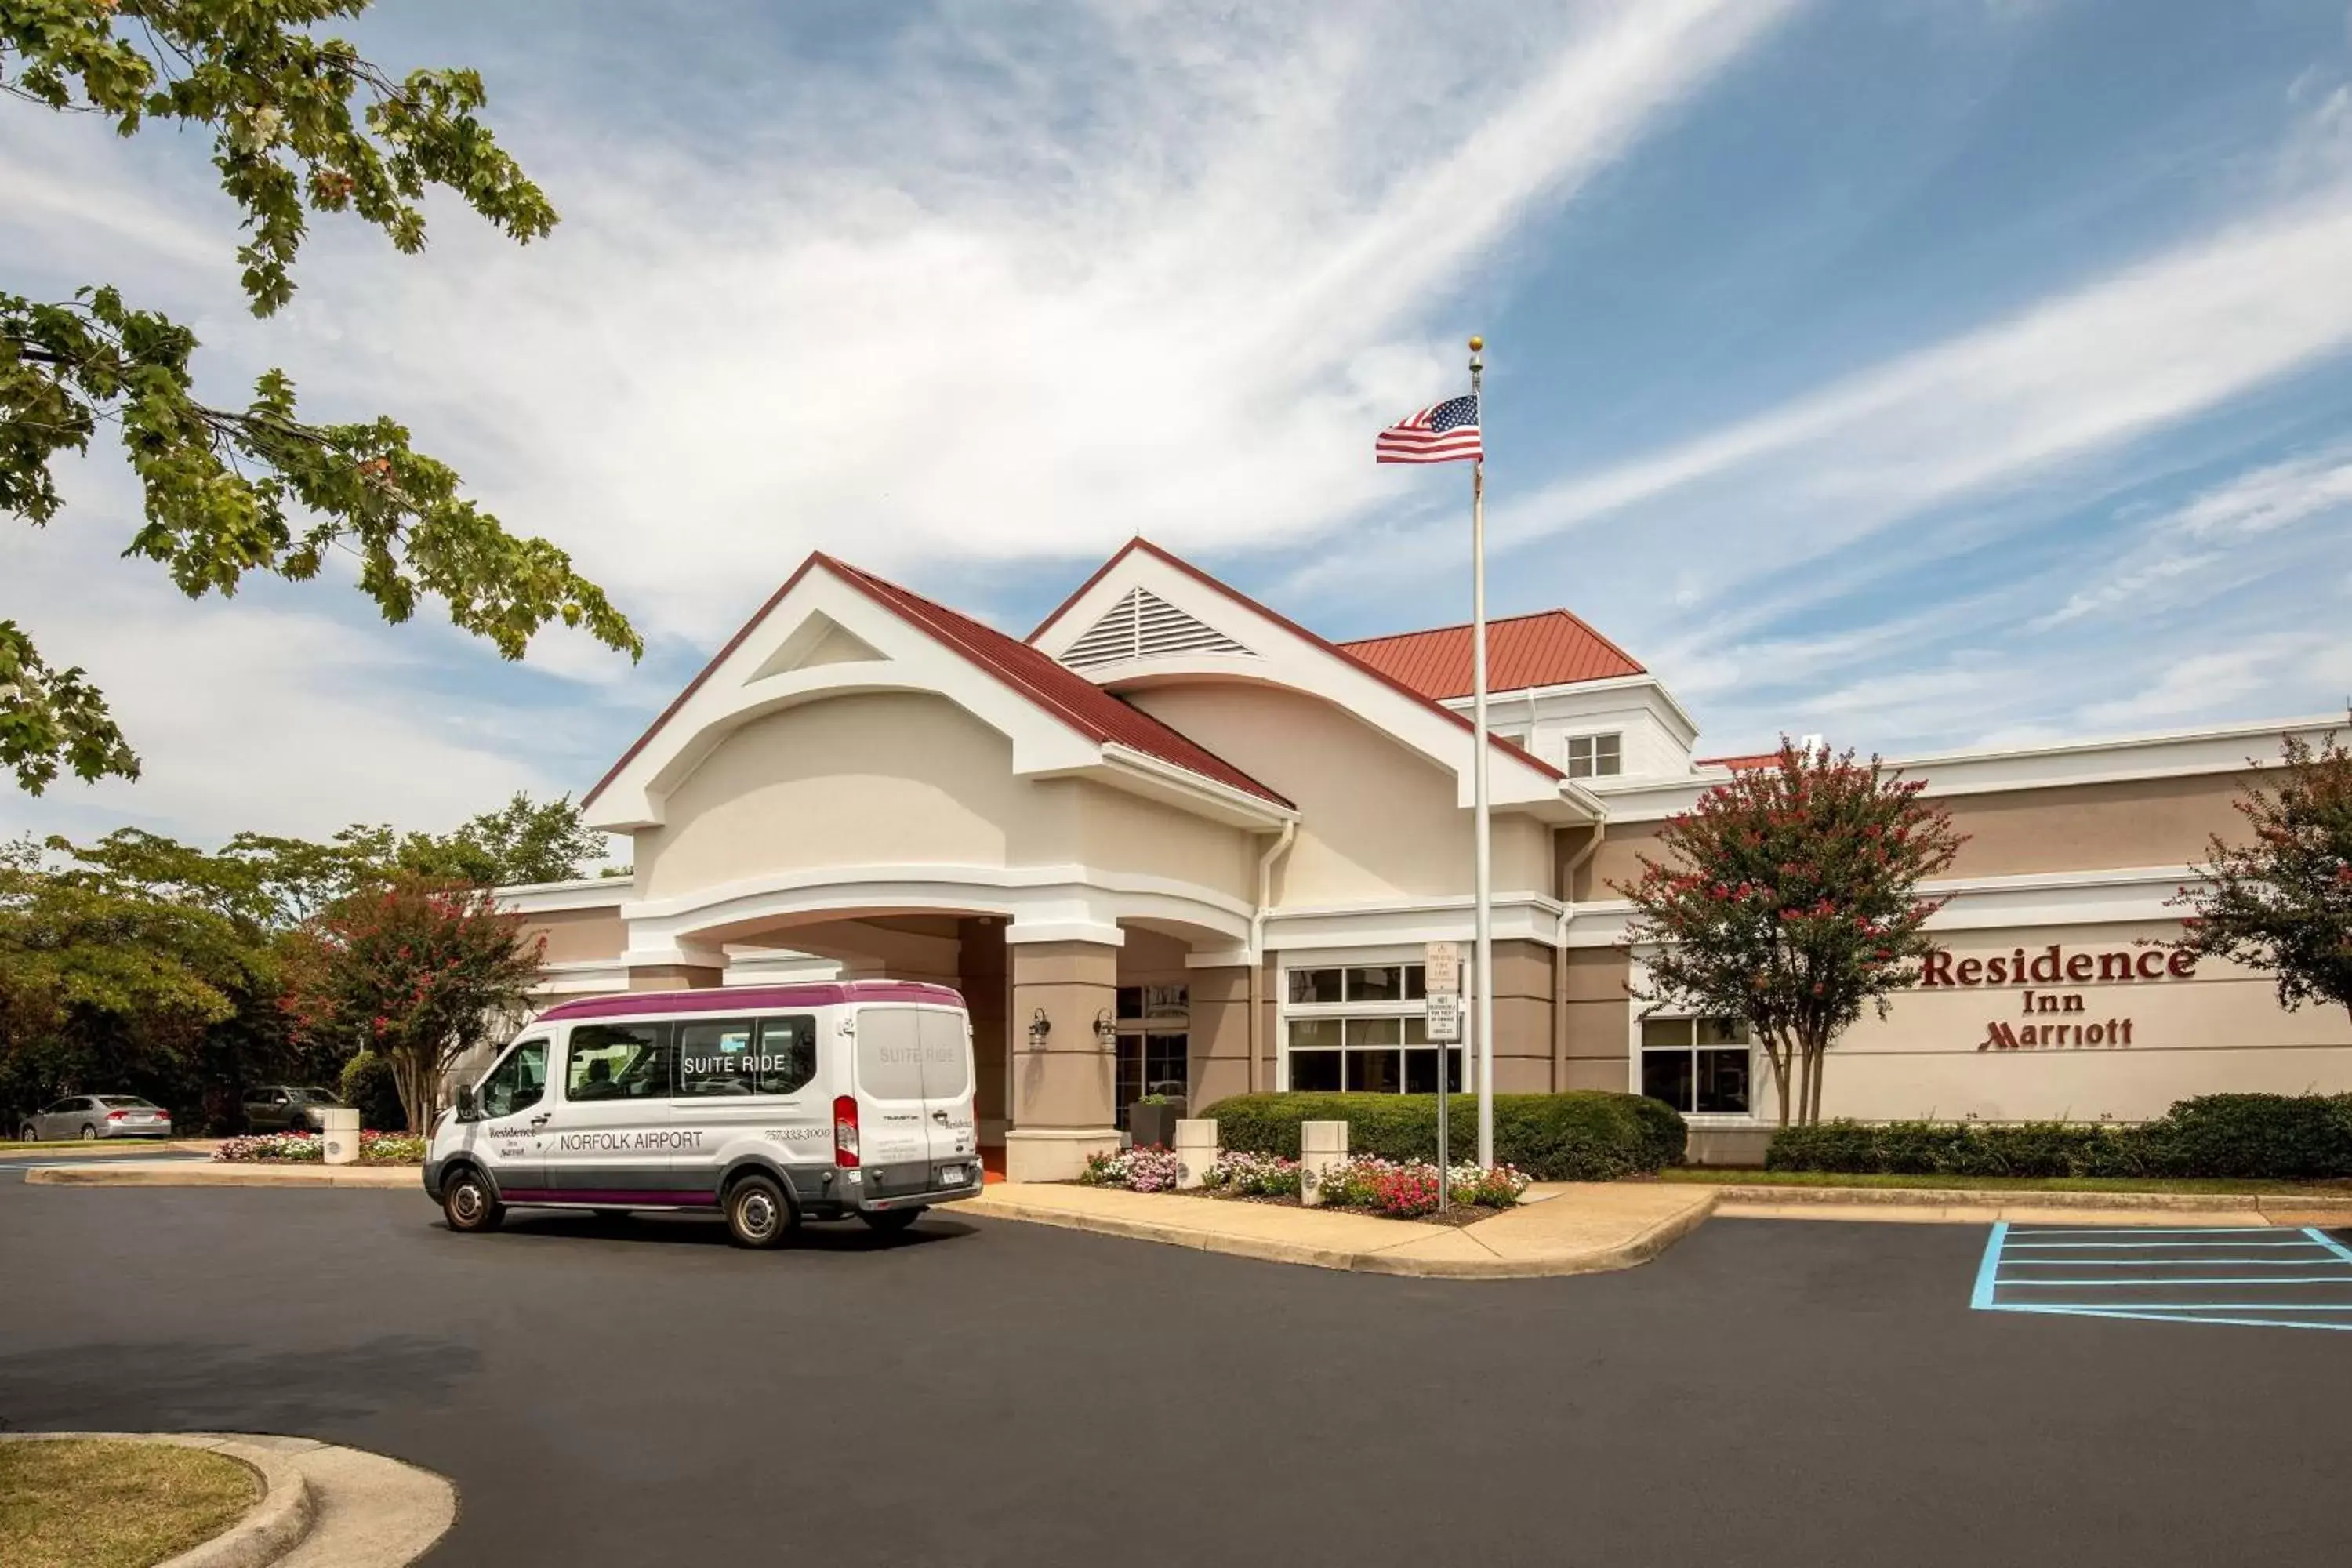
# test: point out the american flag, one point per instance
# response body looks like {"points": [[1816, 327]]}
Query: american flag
{"points": [[1445, 434]]}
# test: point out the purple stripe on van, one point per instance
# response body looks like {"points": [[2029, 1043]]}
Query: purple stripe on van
{"points": [[609, 1198], [753, 998]]}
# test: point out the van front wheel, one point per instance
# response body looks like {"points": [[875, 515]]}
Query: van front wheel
{"points": [[890, 1222], [469, 1205], [758, 1213]]}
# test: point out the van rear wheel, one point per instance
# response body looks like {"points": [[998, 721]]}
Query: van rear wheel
{"points": [[469, 1205], [890, 1222], [758, 1213]]}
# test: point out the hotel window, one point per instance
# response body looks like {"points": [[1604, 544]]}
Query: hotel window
{"points": [[1361, 1028], [1698, 1065], [1595, 756]]}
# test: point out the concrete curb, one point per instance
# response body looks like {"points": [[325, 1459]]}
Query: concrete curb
{"points": [[116, 1148], [190, 1173], [322, 1506], [1396, 1258], [270, 1529], [1765, 1195]]}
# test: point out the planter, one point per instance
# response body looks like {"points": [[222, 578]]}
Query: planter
{"points": [[1153, 1126]]}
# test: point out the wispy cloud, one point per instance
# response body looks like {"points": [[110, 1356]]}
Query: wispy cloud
{"points": [[1154, 268]]}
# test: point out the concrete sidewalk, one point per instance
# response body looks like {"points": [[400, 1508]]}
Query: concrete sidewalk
{"points": [[1562, 1228]]}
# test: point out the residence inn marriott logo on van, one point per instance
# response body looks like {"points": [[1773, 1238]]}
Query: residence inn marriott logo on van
{"points": [[1174, 843]]}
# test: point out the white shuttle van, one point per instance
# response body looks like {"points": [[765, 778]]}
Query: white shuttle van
{"points": [[768, 1105]]}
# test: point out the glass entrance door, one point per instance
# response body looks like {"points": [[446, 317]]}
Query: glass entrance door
{"points": [[1154, 1039]]}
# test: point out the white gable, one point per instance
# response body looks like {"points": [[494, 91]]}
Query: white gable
{"points": [[1145, 626], [1238, 639]]}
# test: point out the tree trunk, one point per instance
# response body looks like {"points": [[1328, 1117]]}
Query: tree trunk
{"points": [[1814, 1086], [1780, 1054]]}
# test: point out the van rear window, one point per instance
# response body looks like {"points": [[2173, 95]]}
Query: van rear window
{"points": [[911, 1053]]}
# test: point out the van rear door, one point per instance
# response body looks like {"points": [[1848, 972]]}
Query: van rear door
{"points": [[914, 1090]]}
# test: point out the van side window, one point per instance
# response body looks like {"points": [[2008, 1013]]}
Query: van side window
{"points": [[618, 1061], [713, 1056], [517, 1082], [787, 1054]]}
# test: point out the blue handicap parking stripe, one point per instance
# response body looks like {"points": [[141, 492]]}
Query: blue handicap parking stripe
{"points": [[2204, 1275]]}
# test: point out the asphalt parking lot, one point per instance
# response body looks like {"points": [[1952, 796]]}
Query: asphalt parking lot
{"points": [[992, 1393]]}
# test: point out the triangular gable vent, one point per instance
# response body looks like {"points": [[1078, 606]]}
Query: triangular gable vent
{"points": [[1145, 626]]}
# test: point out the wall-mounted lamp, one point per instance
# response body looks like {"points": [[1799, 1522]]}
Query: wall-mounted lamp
{"points": [[1105, 1032], [1040, 1027]]}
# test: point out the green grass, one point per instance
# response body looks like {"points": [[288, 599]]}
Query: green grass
{"points": [[1717, 1175], [88, 1503]]}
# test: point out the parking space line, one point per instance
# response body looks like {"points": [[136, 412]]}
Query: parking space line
{"points": [[1989, 1271], [2110, 1278], [2148, 1246]]}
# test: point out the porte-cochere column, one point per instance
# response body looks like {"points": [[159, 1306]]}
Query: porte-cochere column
{"points": [[1063, 1083]]}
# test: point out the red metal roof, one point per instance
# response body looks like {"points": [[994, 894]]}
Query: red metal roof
{"points": [[1087, 708], [1550, 647], [1099, 715], [1337, 650], [1738, 765]]}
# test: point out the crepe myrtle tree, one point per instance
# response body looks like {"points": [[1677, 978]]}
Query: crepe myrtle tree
{"points": [[1790, 898], [2281, 902], [299, 124], [416, 971]]}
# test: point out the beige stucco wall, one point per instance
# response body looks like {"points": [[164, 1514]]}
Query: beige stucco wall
{"points": [[1597, 1010], [2077, 827], [901, 779], [579, 936], [2219, 1030], [2148, 822], [1377, 820], [1219, 1045], [878, 778]]}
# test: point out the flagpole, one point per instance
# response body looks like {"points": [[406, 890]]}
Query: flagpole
{"points": [[1483, 975]]}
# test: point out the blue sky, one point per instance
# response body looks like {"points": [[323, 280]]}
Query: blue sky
{"points": [[1959, 372]]}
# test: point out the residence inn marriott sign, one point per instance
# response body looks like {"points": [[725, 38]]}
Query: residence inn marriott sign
{"points": [[1173, 842]]}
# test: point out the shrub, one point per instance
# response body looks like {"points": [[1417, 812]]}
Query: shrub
{"points": [[1581, 1136], [2276, 1137], [368, 1084]]}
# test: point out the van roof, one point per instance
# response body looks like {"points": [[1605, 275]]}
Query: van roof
{"points": [[753, 998]]}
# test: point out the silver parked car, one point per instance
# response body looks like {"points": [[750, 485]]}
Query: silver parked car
{"points": [[92, 1116]]}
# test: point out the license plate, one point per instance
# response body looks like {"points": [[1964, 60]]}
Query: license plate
{"points": [[951, 1176]]}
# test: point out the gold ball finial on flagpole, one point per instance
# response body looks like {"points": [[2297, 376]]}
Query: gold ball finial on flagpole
{"points": [[1477, 344]]}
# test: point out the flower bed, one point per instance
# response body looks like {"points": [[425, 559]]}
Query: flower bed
{"points": [[1407, 1189], [1242, 1174], [1146, 1170], [1398, 1189], [302, 1148]]}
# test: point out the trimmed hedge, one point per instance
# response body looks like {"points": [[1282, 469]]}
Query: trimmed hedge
{"points": [[2274, 1136], [1584, 1135]]}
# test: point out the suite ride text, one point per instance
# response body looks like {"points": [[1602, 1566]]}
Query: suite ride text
{"points": [[2053, 966]]}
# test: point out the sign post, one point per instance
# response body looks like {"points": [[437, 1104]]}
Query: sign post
{"points": [[1442, 985]]}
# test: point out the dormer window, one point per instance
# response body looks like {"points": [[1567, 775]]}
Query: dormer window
{"points": [[1595, 756]]}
